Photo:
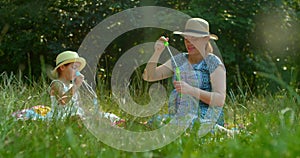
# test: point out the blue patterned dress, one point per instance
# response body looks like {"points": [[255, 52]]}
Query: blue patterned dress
{"points": [[197, 75]]}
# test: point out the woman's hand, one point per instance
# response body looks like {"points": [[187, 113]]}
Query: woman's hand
{"points": [[153, 72], [183, 87], [159, 44]]}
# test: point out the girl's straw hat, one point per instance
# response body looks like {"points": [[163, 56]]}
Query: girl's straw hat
{"points": [[65, 58], [197, 27]]}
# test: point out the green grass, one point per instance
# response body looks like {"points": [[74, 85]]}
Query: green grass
{"points": [[269, 128]]}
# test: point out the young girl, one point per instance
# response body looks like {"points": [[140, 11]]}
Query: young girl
{"points": [[64, 92], [64, 88]]}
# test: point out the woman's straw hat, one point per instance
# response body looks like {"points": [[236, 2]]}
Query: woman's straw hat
{"points": [[197, 27], [65, 58]]}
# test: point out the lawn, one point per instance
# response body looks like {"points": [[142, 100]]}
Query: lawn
{"points": [[267, 125]]}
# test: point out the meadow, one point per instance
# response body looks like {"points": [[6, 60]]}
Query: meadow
{"points": [[268, 126]]}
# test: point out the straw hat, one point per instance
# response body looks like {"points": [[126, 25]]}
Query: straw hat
{"points": [[65, 58], [197, 27]]}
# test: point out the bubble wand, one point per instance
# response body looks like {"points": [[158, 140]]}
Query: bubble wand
{"points": [[177, 70], [112, 117], [90, 89]]}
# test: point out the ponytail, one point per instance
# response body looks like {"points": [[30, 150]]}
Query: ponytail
{"points": [[209, 47]]}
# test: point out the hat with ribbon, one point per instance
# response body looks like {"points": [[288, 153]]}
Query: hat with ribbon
{"points": [[197, 27], [65, 58]]}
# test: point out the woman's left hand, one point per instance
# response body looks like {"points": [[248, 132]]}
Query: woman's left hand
{"points": [[182, 87]]}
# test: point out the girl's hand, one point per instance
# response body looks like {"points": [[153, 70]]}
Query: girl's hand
{"points": [[78, 80], [159, 44], [182, 87]]}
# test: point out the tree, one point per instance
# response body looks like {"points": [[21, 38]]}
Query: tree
{"points": [[246, 30], [254, 36]]}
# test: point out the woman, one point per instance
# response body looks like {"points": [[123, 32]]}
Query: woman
{"points": [[209, 71]]}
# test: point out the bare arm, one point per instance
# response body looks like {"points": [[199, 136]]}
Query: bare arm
{"points": [[153, 72], [57, 90]]}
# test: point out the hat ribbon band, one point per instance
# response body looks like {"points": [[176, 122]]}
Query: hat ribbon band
{"points": [[196, 31], [62, 62]]}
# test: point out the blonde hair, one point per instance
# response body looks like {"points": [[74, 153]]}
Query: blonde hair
{"points": [[209, 47]]}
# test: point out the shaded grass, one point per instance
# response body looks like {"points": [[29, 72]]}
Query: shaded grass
{"points": [[269, 127]]}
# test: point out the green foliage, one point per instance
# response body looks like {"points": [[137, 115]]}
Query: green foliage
{"points": [[268, 127], [250, 31], [253, 35], [46, 28]]}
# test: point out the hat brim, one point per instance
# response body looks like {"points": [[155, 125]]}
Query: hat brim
{"points": [[81, 60], [212, 36]]}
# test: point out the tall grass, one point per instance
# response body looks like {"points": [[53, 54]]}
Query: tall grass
{"points": [[268, 124]]}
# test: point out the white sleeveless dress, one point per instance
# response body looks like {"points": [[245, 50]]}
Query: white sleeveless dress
{"points": [[72, 108]]}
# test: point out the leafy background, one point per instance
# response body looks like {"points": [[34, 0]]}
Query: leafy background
{"points": [[259, 42], [254, 36]]}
